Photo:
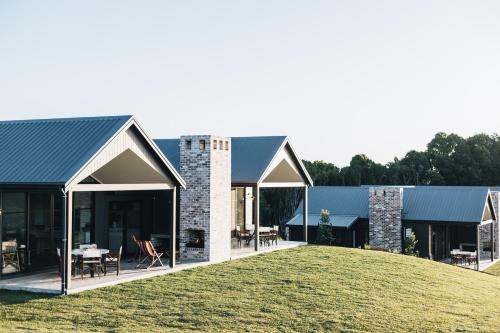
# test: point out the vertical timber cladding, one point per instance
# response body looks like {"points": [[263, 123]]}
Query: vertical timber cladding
{"points": [[385, 225], [205, 205]]}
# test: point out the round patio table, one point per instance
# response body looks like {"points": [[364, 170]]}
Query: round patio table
{"points": [[79, 254]]}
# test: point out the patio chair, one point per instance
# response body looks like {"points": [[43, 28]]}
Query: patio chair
{"points": [[10, 255], [472, 258], [91, 261], [138, 253], [242, 236], [274, 234], [112, 259], [59, 261], [150, 253]]}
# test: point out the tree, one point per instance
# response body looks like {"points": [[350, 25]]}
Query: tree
{"points": [[324, 233]]}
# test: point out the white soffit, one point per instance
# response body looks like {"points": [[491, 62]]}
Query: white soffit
{"points": [[135, 158], [283, 169]]}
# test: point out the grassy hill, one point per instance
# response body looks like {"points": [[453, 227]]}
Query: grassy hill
{"points": [[305, 289]]}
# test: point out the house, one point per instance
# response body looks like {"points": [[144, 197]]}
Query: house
{"points": [[101, 180], [231, 172], [442, 218]]}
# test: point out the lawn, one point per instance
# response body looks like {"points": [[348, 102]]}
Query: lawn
{"points": [[304, 289]]}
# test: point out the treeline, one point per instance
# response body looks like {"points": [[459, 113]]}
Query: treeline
{"points": [[448, 160]]}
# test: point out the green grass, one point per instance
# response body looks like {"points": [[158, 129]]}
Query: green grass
{"points": [[494, 269], [305, 289]]}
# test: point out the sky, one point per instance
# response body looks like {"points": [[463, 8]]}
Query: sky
{"points": [[338, 77]]}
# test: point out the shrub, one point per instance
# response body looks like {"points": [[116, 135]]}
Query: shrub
{"points": [[410, 245], [325, 233]]}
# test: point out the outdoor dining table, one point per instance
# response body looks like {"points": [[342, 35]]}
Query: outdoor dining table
{"points": [[78, 253]]}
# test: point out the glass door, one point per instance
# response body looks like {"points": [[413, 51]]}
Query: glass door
{"points": [[41, 238], [439, 242], [13, 252]]}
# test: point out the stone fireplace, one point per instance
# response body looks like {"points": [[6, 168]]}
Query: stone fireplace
{"points": [[205, 205]]}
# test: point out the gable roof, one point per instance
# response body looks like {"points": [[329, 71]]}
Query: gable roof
{"points": [[339, 200], [50, 151], [250, 156], [421, 203], [459, 204], [53, 151]]}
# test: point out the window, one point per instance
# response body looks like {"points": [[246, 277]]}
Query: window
{"points": [[227, 145], [202, 144], [83, 221], [13, 224], [220, 145], [215, 144], [408, 232], [188, 144]]}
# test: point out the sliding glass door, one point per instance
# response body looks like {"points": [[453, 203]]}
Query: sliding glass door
{"points": [[41, 237], [13, 232], [30, 230]]}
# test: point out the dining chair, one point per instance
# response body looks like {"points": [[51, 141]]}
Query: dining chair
{"points": [[91, 261], [10, 255], [112, 259], [60, 261]]}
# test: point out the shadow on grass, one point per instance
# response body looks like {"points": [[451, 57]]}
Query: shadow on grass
{"points": [[9, 297]]}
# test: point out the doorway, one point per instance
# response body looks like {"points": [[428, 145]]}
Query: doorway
{"points": [[439, 242], [125, 221]]}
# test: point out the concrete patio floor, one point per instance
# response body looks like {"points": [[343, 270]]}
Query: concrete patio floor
{"points": [[50, 282], [483, 264]]}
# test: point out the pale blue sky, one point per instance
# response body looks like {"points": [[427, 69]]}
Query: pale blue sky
{"points": [[338, 77]]}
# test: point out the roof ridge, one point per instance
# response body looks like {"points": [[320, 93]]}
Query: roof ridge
{"points": [[90, 118]]}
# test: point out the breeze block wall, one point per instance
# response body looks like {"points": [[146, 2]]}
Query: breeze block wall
{"points": [[385, 225], [205, 205]]}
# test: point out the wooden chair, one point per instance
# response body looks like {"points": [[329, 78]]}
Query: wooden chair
{"points": [[112, 259], [91, 261], [242, 236], [150, 253], [60, 261], [10, 255], [274, 234], [138, 253], [472, 259]]}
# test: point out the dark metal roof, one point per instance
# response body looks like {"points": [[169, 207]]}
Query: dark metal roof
{"points": [[170, 148], [250, 156], [51, 151], [421, 203], [452, 204], [338, 200], [339, 221]]}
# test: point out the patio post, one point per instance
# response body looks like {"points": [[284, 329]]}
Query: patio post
{"points": [[257, 217], [173, 231], [478, 248], [429, 236], [69, 239], [62, 253], [492, 240], [305, 211]]}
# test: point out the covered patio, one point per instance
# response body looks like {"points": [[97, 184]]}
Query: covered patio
{"points": [[95, 192], [260, 163]]}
